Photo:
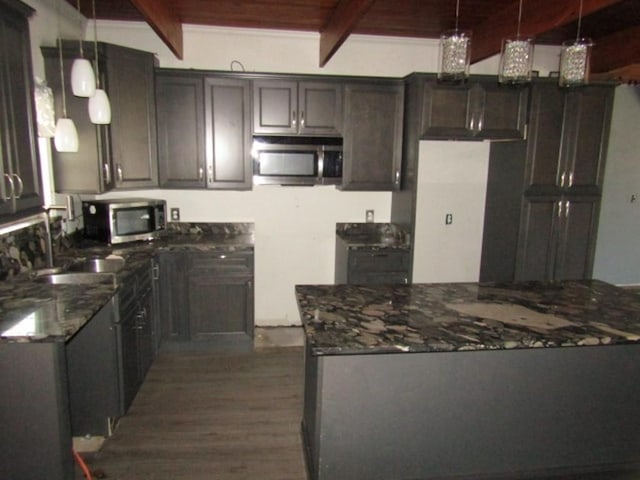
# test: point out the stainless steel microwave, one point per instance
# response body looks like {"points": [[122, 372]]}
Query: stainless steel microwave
{"points": [[297, 161], [123, 219]]}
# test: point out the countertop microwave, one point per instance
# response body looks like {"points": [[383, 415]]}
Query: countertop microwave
{"points": [[121, 220], [297, 161]]}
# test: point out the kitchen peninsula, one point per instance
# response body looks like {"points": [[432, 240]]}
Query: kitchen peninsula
{"points": [[470, 380]]}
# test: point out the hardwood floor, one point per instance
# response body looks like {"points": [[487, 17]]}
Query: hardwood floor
{"points": [[211, 416]]}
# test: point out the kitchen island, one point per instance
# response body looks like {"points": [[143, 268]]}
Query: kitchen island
{"points": [[470, 380]]}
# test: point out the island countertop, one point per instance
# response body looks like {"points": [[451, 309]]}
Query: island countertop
{"points": [[444, 317]]}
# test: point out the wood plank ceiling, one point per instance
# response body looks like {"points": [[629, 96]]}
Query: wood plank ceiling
{"points": [[614, 25]]}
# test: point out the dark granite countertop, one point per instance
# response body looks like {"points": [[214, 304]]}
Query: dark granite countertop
{"points": [[36, 311], [372, 235], [357, 319]]}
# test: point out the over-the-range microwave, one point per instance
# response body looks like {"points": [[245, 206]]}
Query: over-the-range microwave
{"points": [[297, 161], [124, 219]]}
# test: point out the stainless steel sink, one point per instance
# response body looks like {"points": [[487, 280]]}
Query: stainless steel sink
{"points": [[77, 278], [99, 265]]}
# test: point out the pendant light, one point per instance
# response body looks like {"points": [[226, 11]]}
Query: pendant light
{"points": [[99, 105], [574, 58], [83, 81], [66, 135], [516, 59], [454, 53]]}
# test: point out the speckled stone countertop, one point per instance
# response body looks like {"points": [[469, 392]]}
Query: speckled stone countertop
{"points": [[357, 319], [372, 235], [36, 311]]}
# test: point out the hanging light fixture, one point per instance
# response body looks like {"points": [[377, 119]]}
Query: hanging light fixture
{"points": [[516, 59], [99, 105], [83, 81], [455, 53], [574, 58], [66, 135]]}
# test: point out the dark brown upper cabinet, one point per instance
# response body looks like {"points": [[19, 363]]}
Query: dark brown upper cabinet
{"points": [[372, 149], [568, 139], [123, 153], [476, 110], [204, 131], [20, 188], [291, 107]]}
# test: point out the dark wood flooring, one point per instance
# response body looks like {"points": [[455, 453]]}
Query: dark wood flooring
{"points": [[211, 416]]}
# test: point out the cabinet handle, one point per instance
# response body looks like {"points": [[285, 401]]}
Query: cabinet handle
{"points": [[562, 179], [155, 272], [398, 177], [20, 185], [302, 119], [210, 172], [107, 174], [294, 118], [200, 174], [12, 188], [571, 180], [567, 206], [119, 173], [559, 208], [406, 280]]}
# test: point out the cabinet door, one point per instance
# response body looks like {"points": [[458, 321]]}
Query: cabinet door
{"points": [[220, 306], [545, 139], [90, 169], [275, 106], [228, 133], [129, 366], [133, 117], [447, 111], [588, 115], [372, 137], [180, 110], [172, 298], [21, 188], [577, 234], [538, 240], [319, 108], [502, 111]]}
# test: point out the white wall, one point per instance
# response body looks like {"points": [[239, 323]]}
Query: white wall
{"points": [[452, 179], [294, 226], [617, 257]]}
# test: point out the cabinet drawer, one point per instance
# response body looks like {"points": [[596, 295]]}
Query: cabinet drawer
{"points": [[221, 262], [373, 261]]}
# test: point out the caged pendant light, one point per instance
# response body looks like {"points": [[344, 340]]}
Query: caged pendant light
{"points": [[99, 105], [83, 81], [66, 135], [516, 59], [574, 58], [454, 53]]}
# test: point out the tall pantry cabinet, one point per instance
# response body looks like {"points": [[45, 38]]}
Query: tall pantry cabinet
{"points": [[543, 194]]}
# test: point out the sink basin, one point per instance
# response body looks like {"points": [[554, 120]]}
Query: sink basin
{"points": [[77, 278], [99, 265]]}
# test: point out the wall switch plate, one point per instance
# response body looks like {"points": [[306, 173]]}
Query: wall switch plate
{"points": [[369, 216], [175, 214]]}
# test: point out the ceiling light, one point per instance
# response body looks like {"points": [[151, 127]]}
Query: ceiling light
{"points": [[574, 58], [455, 53], [83, 81], [99, 105], [516, 59], [66, 135]]}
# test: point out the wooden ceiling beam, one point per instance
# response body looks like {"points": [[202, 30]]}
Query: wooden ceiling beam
{"points": [[164, 22], [538, 16], [616, 50], [341, 23]]}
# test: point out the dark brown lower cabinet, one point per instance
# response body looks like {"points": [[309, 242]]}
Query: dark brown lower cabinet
{"points": [[371, 265], [207, 298]]}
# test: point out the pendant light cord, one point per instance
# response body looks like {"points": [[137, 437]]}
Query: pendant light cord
{"points": [[80, 34], [95, 42], [64, 97], [520, 18], [457, 12], [579, 21]]}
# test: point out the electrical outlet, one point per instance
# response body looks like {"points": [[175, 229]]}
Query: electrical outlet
{"points": [[369, 216], [175, 214], [448, 219]]}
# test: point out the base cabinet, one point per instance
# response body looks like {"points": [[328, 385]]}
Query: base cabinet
{"points": [[207, 297], [371, 265]]}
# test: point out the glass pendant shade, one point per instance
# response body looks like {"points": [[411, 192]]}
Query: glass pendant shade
{"points": [[83, 81], [516, 60], [100, 108], [574, 62], [455, 55], [66, 136]]}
